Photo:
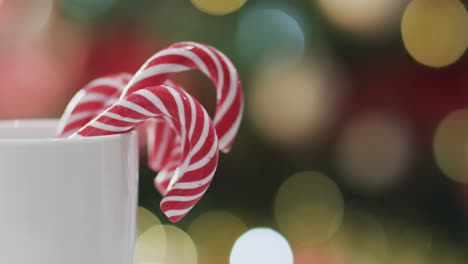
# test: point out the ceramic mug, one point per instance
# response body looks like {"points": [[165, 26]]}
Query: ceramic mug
{"points": [[66, 201]]}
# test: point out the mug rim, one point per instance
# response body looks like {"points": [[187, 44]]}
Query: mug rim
{"points": [[52, 123]]}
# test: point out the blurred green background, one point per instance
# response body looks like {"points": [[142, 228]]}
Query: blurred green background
{"points": [[353, 144]]}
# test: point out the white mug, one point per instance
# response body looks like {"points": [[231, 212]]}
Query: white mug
{"points": [[66, 201]]}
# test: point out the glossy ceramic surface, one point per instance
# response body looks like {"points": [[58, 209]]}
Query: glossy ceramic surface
{"points": [[66, 201]]}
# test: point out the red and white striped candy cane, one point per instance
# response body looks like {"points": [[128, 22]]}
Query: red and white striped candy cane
{"points": [[185, 56], [100, 94], [191, 55], [90, 101], [164, 147], [198, 140]]}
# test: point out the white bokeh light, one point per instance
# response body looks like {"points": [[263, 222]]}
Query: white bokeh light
{"points": [[261, 245]]}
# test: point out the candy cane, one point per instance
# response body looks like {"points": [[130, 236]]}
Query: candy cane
{"points": [[179, 57], [100, 94], [198, 140], [185, 56], [90, 101], [165, 150], [191, 55]]}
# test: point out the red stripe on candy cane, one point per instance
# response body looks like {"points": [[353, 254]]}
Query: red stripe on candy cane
{"points": [[190, 55], [166, 149], [90, 101], [199, 149]]}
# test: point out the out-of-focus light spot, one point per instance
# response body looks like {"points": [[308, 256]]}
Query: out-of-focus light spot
{"points": [[261, 245], [214, 233], [450, 145], [151, 245], [308, 208], [292, 105], [146, 219], [86, 9], [374, 151], [216, 7], [361, 238], [434, 32], [364, 17], [165, 244], [180, 247], [268, 33]]}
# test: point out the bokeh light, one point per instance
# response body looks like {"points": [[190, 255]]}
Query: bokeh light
{"points": [[374, 151], [165, 244], [293, 104], [336, 86], [363, 17], [450, 145], [361, 238], [216, 7], [146, 219], [265, 33], [261, 245], [434, 32], [151, 245], [214, 233], [308, 208]]}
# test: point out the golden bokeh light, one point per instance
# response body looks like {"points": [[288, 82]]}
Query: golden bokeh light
{"points": [[374, 151], [146, 219], [293, 104], [165, 244], [361, 238], [363, 17], [435, 32], [217, 7], [450, 145], [214, 234], [308, 208], [151, 245], [180, 247]]}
